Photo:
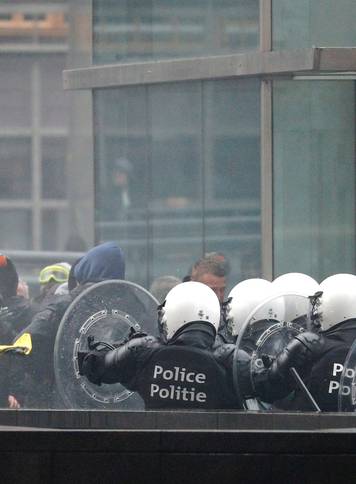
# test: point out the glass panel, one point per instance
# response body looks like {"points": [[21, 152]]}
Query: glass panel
{"points": [[54, 235], [305, 23], [176, 199], [135, 30], [121, 167], [171, 180], [54, 179], [18, 233], [232, 175], [15, 92], [15, 168], [314, 177], [139, 153], [54, 101]]}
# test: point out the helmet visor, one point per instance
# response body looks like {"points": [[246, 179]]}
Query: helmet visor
{"points": [[54, 274]]}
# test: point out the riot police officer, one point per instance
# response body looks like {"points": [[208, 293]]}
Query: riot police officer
{"points": [[297, 283], [181, 369], [177, 370], [243, 299], [336, 313]]}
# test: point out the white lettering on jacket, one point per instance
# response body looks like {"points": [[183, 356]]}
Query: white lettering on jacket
{"points": [[176, 377]]}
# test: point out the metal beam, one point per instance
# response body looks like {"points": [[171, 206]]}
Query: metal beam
{"points": [[337, 59], [238, 65], [266, 147], [266, 180], [265, 25], [309, 60]]}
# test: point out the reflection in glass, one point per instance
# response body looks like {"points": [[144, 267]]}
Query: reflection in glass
{"points": [[177, 175], [307, 23], [54, 101], [135, 30], [54, 168], [15, 168], [232, 174], [314, 177], [16, 221], [15, 92], [54, 237]]}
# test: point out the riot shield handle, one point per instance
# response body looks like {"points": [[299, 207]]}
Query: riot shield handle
{"points": [[94, 345], [304, 389]]}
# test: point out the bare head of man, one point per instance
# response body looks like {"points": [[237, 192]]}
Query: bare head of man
{"points": [[212, 270]]}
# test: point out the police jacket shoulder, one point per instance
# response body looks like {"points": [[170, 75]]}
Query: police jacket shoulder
{"points": [[132, 348], [195, 334], [338, 339], [146, 342], [342, 331], [324, 379], [122, 363], [224, 354]]}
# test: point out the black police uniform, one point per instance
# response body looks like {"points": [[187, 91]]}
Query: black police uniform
{"points": [[187, 373], [183, 373], [324, 378]]}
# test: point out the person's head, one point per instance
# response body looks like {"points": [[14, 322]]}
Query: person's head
{"points": [[162, 285], [243, 299], [101, 263], [296, 282], [212, 270], [23, 289], [9, 278], [54, 274], [121, 172], [51, 277], [187, 303], [337, 302]]}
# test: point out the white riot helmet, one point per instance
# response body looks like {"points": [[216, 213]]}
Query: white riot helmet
{"points": [[243, 299], [297, 283], [337, 302], [337, 279], [186, 303]]}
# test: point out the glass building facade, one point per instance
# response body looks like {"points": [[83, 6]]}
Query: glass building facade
{"points": [[184, 128], [177, 175], [259, 167]]}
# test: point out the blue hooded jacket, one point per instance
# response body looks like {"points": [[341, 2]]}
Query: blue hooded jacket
{"points": [[103, 262]]}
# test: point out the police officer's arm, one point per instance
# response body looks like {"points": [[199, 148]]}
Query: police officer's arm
{"points": [[119, 365], [274, 380]]}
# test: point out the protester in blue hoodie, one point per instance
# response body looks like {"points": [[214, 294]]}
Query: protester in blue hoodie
{"points": [[33, 377], [103, 262]]}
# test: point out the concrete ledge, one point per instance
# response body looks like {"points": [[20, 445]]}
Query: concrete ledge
{"points": [[175, 420]]}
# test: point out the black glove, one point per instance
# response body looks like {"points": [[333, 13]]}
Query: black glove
{"points": [[300, 353], [81, 356], [273, 380], [91, 365]]}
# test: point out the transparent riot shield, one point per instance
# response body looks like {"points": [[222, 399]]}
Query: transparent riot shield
{"points": [[106, 312], [347, 388], [266, 332]]}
